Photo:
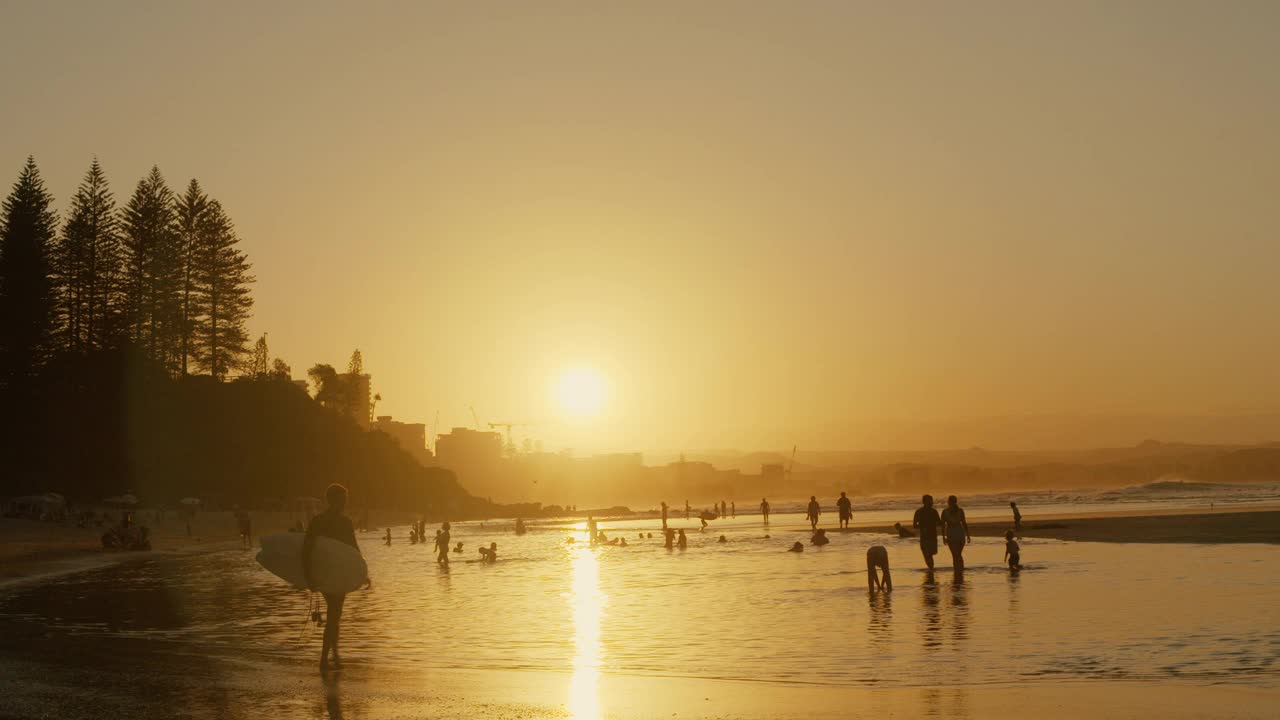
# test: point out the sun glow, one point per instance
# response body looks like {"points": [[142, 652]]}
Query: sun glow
{"points": [[581, 392]]}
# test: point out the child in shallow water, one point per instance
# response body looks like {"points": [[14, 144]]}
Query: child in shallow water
{"points": [[1011, 551]]}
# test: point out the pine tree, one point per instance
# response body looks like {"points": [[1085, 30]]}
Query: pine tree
{"points": [[88, 263], [152, 268], [260, 368], [28, 311], [192, 221], [222, 276]]}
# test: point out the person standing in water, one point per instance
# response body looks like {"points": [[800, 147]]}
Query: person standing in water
{"points": [[1011, 551], [764, 510], [814, 511], [442, 543], [333, 524], [1017, 516], [683, 542], [927, 521], [245, 527], [845, 506], [956, 530], [733, 509], [664, 514], [593, 530], [670, 537], [686, 509]]}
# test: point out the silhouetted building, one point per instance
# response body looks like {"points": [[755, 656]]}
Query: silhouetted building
{"points": [[772, 474], [464, 448], [410, 436]]}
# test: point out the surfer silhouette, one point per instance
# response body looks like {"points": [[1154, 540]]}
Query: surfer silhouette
{"points": [[333, 524]]}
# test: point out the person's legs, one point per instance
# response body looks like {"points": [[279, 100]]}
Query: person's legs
{"points": [[332, 623], [886, 582], [957, 554]]}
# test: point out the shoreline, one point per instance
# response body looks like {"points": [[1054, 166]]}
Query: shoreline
{"points": [[1219, 527]]}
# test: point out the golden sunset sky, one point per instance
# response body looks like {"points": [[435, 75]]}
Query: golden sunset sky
{"points": [[755, 223]]}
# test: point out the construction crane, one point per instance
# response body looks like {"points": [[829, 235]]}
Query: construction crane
{"points": [[474, 416], [791, 464], [509, 445]]}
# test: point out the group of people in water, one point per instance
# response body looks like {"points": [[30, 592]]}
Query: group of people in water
{"points": [[928, 524]]}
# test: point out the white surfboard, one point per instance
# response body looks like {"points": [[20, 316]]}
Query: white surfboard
{"points": [[335, 567]]}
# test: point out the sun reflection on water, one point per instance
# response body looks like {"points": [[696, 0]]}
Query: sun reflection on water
{"points": [[587, 603]]}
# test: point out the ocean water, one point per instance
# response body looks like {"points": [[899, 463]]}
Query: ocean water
{"points": [[744, 609], [1172, 494]]}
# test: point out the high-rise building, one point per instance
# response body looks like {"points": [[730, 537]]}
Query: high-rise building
{"points": [[463, 448], [410, 436]]}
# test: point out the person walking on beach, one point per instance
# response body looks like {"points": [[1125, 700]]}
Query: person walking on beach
{"points": [[333, 524], [442, 545], [814, 511], [664, 515], [927, 521], [733, 509], [686, 509], [845, 506], [764, 510], [1017, 516], [878, 558], [956, 530]]}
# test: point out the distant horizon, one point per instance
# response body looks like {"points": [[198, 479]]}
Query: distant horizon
{"points": [[1267, 422]]}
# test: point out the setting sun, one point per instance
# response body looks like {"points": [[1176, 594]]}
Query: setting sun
{"points": [[581, 392]]}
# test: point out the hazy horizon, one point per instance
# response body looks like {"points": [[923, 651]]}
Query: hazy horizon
{"points": [[829, 225]]}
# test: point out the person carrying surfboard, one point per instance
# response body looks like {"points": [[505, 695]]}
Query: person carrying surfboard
{"points": [[333, 524]]}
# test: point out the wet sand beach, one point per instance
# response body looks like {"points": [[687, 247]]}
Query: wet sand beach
{"points": [[155, 683]]}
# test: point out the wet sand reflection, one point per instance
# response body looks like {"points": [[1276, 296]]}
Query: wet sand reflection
{"points": [[587, 604]]}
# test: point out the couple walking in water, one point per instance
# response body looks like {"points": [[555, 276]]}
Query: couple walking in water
{"points": [[953, 526]]}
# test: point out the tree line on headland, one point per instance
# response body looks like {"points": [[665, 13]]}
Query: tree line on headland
{"points": [[120, 328]]}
